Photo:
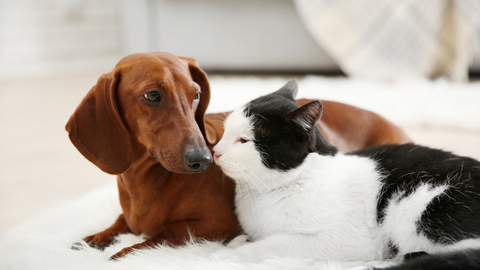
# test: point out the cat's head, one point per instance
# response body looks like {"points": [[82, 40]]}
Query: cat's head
{"points": [[270, 136]]}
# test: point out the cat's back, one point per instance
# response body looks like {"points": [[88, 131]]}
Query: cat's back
{"points": [[416, 164], [411, 156], [437, 190]]}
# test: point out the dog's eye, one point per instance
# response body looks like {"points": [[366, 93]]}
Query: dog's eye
{"points": [[152, 96], [243, 140], [197, 97]]}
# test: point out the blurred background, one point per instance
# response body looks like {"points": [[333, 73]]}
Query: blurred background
{"points": [[413, 62], [50, 36]]}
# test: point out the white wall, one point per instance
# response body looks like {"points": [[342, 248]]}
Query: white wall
{"points": [[43, 36], [264, 35], [39, 37]]}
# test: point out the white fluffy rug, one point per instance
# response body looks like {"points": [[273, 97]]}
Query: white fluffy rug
{"points": [[43, 241]]}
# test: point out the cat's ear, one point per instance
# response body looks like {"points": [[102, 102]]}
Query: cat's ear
{"points": [[306, 117], [289, 90]]}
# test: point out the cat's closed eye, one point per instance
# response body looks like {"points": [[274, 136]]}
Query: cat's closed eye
{"points": [[242, 140]]}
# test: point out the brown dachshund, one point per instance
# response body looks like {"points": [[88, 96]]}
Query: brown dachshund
{"points": [[145, 121]]}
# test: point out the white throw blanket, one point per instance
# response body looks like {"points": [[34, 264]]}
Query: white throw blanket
{"points": [[392, 39]]}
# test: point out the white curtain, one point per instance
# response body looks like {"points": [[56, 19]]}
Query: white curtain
{"points": [[394, 39]]}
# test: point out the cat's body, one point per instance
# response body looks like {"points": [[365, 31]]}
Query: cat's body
{"points": [[302, 208], [298, 196]]}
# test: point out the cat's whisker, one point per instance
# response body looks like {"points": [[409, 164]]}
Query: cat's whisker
{"points": [[257, 178], [243, 171], [218, 121], [248, 193], [257, 187], [244, 184], [259, 115]]}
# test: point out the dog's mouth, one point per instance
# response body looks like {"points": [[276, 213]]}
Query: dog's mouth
{"points": [[166, 159], [152, 153]]}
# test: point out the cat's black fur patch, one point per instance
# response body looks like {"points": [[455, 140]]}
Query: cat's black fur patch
{"points": [[462, 260], [279, 145], [393, 249], [450, 217], [414, 255]]}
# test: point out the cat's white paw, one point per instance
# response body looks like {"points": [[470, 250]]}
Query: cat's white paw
{"points": [[238, 241]]}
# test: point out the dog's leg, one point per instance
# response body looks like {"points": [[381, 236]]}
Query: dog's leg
{"points": [[181, 232], [105, 238], [174, 235]]}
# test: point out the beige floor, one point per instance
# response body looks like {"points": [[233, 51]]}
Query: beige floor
{"points": [[41, 168]]}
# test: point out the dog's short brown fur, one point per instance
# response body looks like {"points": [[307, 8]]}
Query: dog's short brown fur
{"points": [[149, 146]]}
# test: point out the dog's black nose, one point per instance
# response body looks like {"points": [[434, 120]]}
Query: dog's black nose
{"points": [[198, 160]]}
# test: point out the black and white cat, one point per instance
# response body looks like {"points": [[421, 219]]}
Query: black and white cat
{"points": [[296, 195]]}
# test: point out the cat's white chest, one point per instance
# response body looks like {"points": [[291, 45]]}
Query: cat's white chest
{"points": [[325, 199], [277, 212]]}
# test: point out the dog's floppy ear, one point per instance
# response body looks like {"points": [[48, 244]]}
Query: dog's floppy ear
{"points": [[200, 77], [97, 130]]}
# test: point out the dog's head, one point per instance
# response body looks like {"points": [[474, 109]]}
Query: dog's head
{"points": [[152, 102]]}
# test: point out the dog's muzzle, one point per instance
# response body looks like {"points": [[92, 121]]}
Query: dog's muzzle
{"points": [[198, 160]]}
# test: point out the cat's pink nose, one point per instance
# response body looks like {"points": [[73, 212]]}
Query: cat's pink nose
{"points": [[216, 155]]}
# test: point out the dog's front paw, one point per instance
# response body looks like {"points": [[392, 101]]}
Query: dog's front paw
{"points": [[122, 253], [239, 240], [82, 245], [100, 240], [79, 246]]}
